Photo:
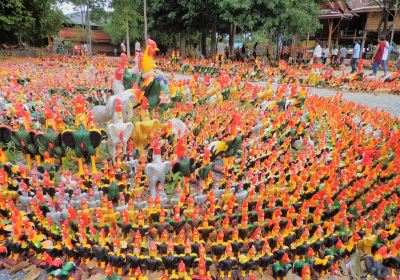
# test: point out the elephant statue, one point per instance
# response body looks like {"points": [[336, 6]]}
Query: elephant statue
{"points": [[105, 113], [156, 172], [143, 131], [118, 131]]}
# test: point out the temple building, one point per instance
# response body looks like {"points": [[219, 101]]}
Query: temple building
{"points": [[74, 32], [345, 21]]}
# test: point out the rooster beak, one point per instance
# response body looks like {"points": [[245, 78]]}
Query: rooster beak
{"points": [[156, 49]]}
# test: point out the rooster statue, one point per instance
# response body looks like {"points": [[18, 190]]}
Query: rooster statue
{"points": [[148, 63], [151, 85]]}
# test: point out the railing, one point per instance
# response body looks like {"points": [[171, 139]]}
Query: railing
{"points": [[23, 53]]}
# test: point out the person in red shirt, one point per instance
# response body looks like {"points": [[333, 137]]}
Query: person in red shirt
{"points": [[377, 58], [77, 49]]}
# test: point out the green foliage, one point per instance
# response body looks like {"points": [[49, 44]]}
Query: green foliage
{"points": [[174, 179], [29, 21], [69, 162], [125, 14], [260, 17], [293, 17], [52, 24], [13, 155], [15, 20], [287, 16]]}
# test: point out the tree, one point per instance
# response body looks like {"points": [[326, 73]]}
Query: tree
{"points": [[29, 21], [231, 16], [124, 21], [88, 7], [235, 13], [15, 21], [388, 7], [54, 23], [168, 16], [182, 17]]}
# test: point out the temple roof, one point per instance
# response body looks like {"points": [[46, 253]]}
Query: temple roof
{"points": [[364, 6], [335, 9], [77, 34], [348, 9]]}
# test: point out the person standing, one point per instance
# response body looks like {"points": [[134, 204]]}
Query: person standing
{"points": [[385, 57], [244, 53], [342, 55], [334, 57], [355, 57], [325, 54], [137, 47], [378, 56], [123, 47], [255, 50], [77, 49], [317, 54]]}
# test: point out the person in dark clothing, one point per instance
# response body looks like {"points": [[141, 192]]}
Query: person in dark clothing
{"points": [[255, 50]]}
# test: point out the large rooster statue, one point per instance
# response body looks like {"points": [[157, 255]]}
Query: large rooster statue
{"points": [[148, 63], [151, 84]]}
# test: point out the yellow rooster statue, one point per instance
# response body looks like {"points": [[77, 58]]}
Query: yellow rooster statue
{"points": [[148, 63]]}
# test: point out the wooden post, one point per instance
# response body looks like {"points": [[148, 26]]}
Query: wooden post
{"points": [[338, 32], [363, 42], [330, 31]]}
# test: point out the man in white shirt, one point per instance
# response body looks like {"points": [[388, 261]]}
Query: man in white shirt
{"points": [[123, 48], [137, 47], [317, 53], [385, 58], [355, 56]]}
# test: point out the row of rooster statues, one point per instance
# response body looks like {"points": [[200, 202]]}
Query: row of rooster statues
{"points": [[203, 179]]}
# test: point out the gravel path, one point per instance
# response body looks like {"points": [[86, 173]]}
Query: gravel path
{"points": [[381, 101]]}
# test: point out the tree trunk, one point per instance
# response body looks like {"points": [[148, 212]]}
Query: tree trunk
{"points": [[308, 40], [279, 45], [145, 20], [232, 32], [174, 41], [83, 18], [204, 43], [213, 46], [88, 37], [396, 7], [128, 47], [387, 6], [87, 26], [182, 44]]}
